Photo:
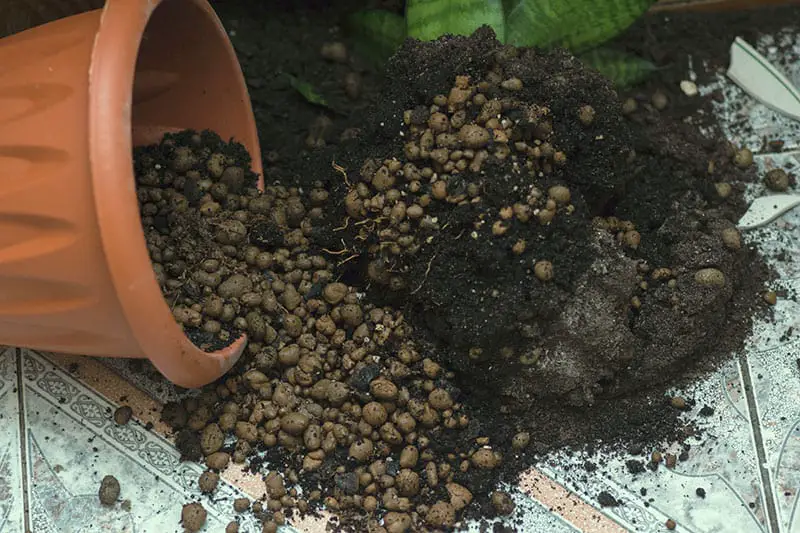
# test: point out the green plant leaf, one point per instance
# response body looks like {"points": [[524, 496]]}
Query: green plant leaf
{"points": [[430, 19], [622, 68], [378, 33], [307, 90], [577, 25]]}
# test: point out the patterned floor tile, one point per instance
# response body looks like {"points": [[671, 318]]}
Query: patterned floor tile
{"points": [[72, 442], [721, 461], [12, 507], [112, 379]]}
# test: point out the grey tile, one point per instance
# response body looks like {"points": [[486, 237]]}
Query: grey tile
{"points": [[722, 461], [12, 507], [743, 119], [72, 442]]}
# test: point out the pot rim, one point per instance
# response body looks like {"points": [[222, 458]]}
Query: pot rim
{"points": [[111, 79]]}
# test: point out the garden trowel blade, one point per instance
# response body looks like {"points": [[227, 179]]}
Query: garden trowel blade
{"points": [[759, 78], [766, 209]]}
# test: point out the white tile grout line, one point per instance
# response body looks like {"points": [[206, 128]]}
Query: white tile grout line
{"points": [[758, 443], [23, 439]]}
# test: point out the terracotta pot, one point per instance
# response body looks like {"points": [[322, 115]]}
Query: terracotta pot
{"points": [[75, 96]]}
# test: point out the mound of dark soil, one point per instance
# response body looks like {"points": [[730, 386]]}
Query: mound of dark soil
{"points": [[648, 271], [498, 216]]}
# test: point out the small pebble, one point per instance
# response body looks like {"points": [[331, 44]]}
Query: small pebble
{"points": [[240, 505], [520, 440], [743, 158], [193, 517], [659, 100], [122, 415], [543, 270], [586, 115], [731, 238], [208, 481], [678, 402], [629, 106], [689, 88], [502, 503], [710, 277], [335, 51], [670, 524], [441, 515], [109, 490], [771, 297]]}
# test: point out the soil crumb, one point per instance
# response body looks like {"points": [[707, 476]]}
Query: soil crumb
{"points": [[109, 490]]}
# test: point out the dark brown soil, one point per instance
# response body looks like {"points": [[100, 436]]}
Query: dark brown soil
{"points": [[677, 41], [616, 391], [487, 298]]}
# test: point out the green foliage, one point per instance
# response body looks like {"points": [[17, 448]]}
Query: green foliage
{"points": [[307, 91], [577, 25], [622, 68], [378, 33], [430, 19]]}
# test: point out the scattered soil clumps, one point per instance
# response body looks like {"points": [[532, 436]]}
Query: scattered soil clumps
{"points": [[546, 246], [500, 237]]}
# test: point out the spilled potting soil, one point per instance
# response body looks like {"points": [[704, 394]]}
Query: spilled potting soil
{"points": [[501, 262]]}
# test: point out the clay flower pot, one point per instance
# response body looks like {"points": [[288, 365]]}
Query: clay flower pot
{"points": [[75, 96]]}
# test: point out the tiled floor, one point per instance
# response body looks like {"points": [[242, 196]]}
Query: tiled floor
{"points": [[58, 438]]}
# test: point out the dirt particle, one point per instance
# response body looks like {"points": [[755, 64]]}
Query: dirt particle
{"points": [[295, 423], [440, 399], [502, 503], [659, 100], [777, 180], [731, 238], [374, 414], [122, 415], [771, 297], [109, 490], [710, 277], [361, 450], [512, 84], [605, 499], [218, 460], [241, 505], [383, 389], [212, 439], [543, 270], [334, 51], [208, 481], [678, 402], [520, 440], [743, 158], [441, 515], [193, 517], [586, 114], [460, 496], [474, 136], [484, 458]]}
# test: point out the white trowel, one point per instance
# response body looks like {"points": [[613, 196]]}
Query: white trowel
{"points": [[759, 78]]}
